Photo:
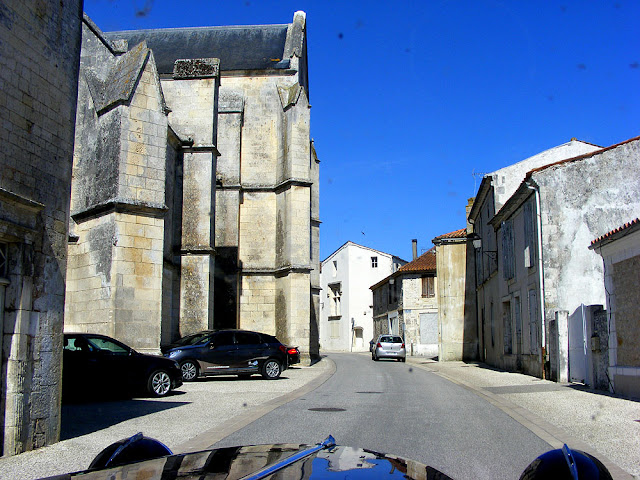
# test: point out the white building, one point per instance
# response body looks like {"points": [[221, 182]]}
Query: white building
{"points": [[346, 303]]}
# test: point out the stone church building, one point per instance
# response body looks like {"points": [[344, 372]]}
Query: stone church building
{"points": [[194, 199]]}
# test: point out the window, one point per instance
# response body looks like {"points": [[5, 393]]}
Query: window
{"points": [[517, 316], [335, 268], [506, 321], [508, 260], [533, 321], [493, 342], [247, 338], [106, 345], [428, 287], [374, 262], [334, 300], [222, 339], [3, 260], [529, 236]]}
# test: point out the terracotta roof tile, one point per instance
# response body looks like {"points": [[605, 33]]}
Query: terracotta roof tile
{"points": [[579, 157], [462, 233], [424, 263], [610, 234]]}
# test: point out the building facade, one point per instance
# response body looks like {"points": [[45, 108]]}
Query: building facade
{"points": [[493, 307], [457, 326], [346, 314], [406, 304], [39, 54], [545, 273], [213, 194], [620, 251]]}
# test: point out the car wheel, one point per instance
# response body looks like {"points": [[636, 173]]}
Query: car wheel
{"points": [[159, 383], [271, 369], [403, 359], [189, 370]]}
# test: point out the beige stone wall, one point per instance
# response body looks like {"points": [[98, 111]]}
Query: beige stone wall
{"points": [[144, 138], [192, 104], [258, 303], [626, 283], [138, 268], [413, 303], [257, 249], [89, 300], [115, 279]]}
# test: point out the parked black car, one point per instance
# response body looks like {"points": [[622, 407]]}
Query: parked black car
{"points": [[192, 339], [293, 355], [99, 365], [231, 352]]}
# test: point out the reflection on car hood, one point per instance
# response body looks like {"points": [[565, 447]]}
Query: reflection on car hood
{"points": [[234, 463]]}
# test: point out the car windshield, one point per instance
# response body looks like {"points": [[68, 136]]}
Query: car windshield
{"points": [[195, 339]]}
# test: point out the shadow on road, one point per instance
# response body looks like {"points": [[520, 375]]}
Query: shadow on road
{"points": [[83, 418]]}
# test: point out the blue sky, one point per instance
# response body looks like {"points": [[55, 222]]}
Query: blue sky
{"points": [[411, 98]]}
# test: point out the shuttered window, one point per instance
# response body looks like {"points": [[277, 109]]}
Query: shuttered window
{"points": [[508, 260]]}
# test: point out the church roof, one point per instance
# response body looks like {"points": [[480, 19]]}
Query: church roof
{"points": [[254, 47]]}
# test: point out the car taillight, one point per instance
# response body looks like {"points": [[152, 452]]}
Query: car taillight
{"points": [[378, 345], [292, 351], [403, 345], [282, 348]]}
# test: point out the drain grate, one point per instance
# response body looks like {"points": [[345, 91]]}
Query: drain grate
{"points": [[327, 409]]}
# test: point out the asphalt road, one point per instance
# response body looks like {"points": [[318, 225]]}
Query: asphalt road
{"points": [[391, 407]]}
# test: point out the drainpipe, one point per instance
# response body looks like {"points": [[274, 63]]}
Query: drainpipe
{"points": [[540, 274]]}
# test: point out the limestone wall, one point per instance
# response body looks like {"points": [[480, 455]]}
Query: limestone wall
{"points": [[39, 55]]}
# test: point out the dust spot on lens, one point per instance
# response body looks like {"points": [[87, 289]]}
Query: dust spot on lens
{"points": [[410, 369], [244, 405], [340, 35]]}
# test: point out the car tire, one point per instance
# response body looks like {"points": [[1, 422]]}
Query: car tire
{"points": [[404, 359], [271, 369], [159, 383], [189, 370]]}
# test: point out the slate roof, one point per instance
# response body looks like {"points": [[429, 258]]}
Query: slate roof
{"points": [[619, 232], [253, 47]]}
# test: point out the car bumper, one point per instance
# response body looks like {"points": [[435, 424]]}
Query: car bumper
{"points": [[380, 353]]}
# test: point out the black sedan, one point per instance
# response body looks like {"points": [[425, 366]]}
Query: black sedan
{"points": [[231, 352], [100, 365]]}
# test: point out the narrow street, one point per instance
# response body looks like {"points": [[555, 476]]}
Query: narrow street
{"points": [[392, 407]]}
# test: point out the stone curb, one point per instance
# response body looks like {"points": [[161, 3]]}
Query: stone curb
{"points": [[554, 436], [207, 439]]}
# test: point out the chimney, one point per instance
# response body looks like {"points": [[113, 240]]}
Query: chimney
{"points": [[414, 248]]}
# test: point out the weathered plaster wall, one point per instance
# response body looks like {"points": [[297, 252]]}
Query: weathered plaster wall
{"points": [[523, 291], [458, 339], [39, 55], [413, 303], [581, 201]]}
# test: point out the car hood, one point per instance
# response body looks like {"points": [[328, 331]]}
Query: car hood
{"points": [[262, 461]]}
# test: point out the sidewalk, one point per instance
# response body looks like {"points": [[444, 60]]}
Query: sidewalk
{"points": [[602, 424], [194, 417]]}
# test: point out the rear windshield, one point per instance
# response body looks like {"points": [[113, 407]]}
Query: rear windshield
{"points": [[390, 339]]}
